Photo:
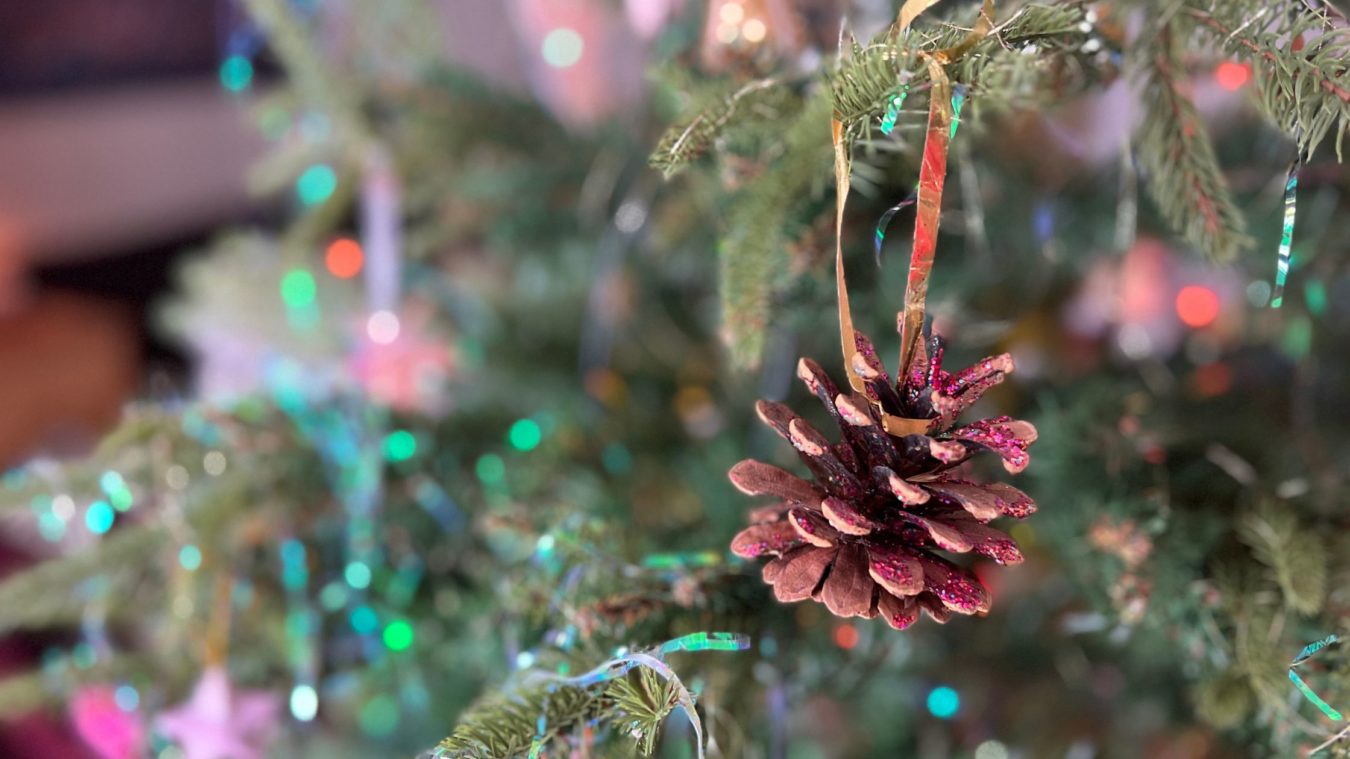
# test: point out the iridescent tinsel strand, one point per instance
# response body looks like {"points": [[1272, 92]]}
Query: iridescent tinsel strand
{"points": [[1307, 653], [624, 663], [1286, 236], [887, 125]]}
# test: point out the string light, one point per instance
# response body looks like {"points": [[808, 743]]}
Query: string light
{"points": [[490, 469], [563, 47], [357, 575], [991, 750], [236, 73], [304, 702], [379, 717], [400, 445], [383, 327], [126, 698], [1197, 306], [398, 635], [525, 435], [190, 557], [214, 463], [943, 702], [99, 518], [846, 636], [754, 31], [364, 620], [1232, 75], [298, 289], [316, 184], [344, 258]]}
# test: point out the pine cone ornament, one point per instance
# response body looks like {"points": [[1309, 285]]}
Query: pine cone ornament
{"points": [[864, 538]]}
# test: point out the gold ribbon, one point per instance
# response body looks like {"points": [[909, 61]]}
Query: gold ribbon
{"points": [[932, 175]]}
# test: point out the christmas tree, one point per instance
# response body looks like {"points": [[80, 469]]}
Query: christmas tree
{"points": [[453, 481]]}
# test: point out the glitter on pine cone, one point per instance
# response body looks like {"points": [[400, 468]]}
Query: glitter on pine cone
{"points": [[863, 538]]}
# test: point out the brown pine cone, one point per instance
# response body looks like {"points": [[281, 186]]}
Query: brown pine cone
{"points": [[863, 538]]}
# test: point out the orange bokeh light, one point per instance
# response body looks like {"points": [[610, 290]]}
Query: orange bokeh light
{"points": [[846, 636], [1197, 306], [344, 258], [1232, 75]]}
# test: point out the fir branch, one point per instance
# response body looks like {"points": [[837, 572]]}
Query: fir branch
{"points": [[21, 694], [1296, 556], [28, 598], [505, 724], [753, 253], [645, 700], [864, 83], [1183, 174], [760, 101], [1306, 93], [1225, 699]]}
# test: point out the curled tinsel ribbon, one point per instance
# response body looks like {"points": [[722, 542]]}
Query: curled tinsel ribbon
{"points": [[1307, 653], [623, 662], [652, 659]]}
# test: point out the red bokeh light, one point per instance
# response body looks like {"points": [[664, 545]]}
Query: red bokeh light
{"points": [[846, 636], [1232, 75], [1197, 306], [344, 258]]}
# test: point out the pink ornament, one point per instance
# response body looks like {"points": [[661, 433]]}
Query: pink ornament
{"points": [[110, 731], [648, 16], [219, 723], [409, 372], [583, 61]]}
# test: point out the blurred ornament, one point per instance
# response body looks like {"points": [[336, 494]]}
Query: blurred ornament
{"points": [[741, 31], [381, 231], [1132, 545], [407, 371], [219, 723], [863, 537], [585, 64], [648, 16], [111, 731], [1121, 539], [1146, 299]]}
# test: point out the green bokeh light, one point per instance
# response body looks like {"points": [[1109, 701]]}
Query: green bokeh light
{"points": [[298, 289], [236, 73], [99, 518], [398, 635], [400, 445], [357, 575], [190, 557], [490, 468], [1315, 294], [525, 435], [316, 185], [379, 717]]}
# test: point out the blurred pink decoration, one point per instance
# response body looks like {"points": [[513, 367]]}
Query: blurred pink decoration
{"points": [[741, 29], [218, 723], [410, 373], [110, 731], [648, 16], [582, 87], [1135, 299], [381, 231]]}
